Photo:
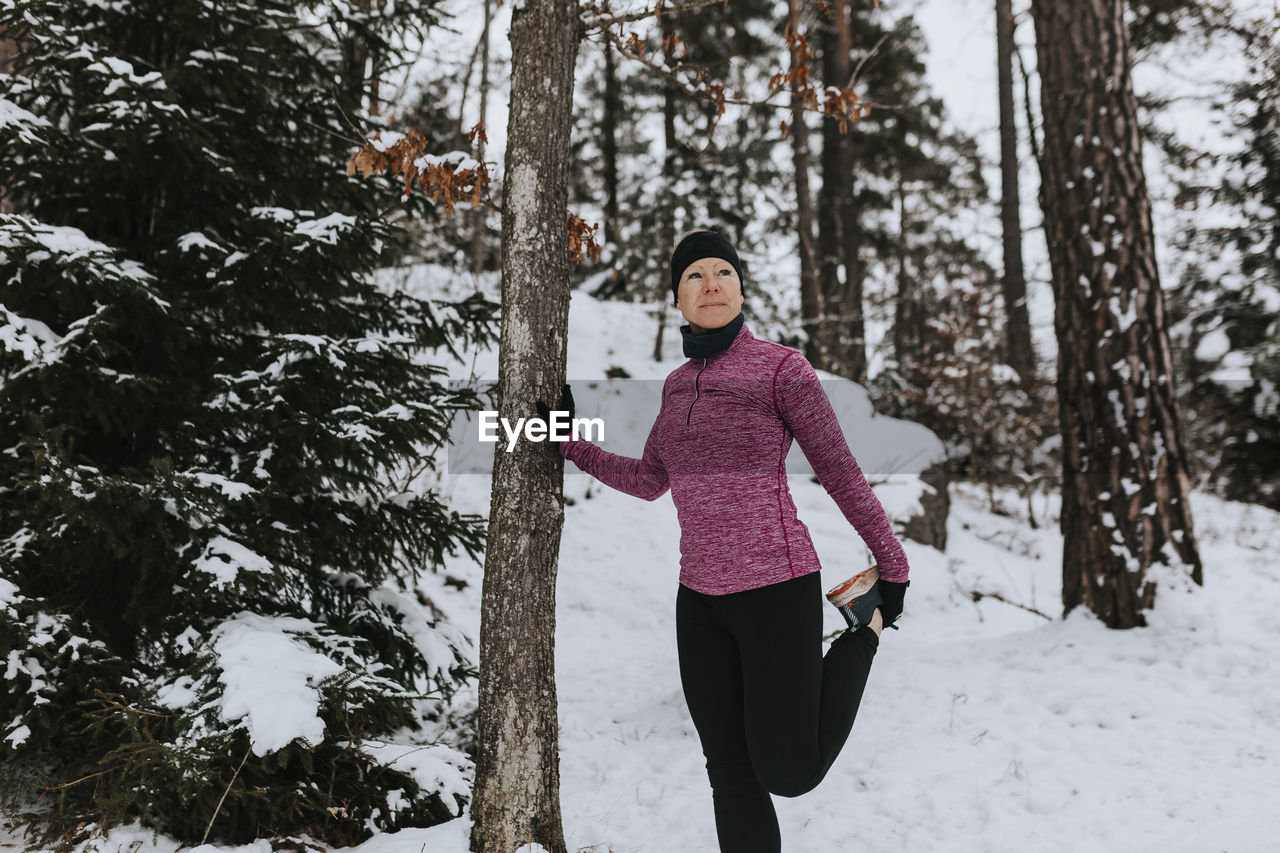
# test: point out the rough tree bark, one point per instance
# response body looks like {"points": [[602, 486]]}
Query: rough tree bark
{"points": [[850, 325], [1018, 347], [1125, 486], [668, 236], [909, 316], [517, 791], [361, 64], [609, 120], [477, 215], [841, 331], [8, 48], [835, 72], [609, 144], [810, 295]]}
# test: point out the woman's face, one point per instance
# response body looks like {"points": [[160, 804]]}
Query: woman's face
{"points": [[709, 294]]}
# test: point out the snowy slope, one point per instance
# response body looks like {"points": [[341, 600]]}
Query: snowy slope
{"points": [[984, 727]]}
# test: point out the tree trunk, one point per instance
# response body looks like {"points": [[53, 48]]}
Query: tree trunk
{"points": [[668, 233], [1017, 324], [8, 47], [1125, 486], [7, 50], [908, 312], [375, 71], [358, 57], [810, 296], [477, 215], [609, 144], [610, 116], [850, 327], [517, 791], [835, 184]]}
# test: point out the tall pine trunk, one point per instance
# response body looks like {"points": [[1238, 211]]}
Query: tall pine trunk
{"points": [[517, 789], [609, 144], [835, 72], [1017, 323], [361, 74], [908, 313], [610, 115], [7, 49], [477, 215], [1125, 486], [810, 295], [850, 335], [668, 234]]}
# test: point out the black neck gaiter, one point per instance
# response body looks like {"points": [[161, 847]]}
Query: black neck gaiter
{"points": [[711, 342]]}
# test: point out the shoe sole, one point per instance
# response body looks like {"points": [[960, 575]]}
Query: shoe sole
{"points": [[859, 584]]}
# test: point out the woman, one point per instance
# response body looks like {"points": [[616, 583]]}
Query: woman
{"points": [[771, 711]]}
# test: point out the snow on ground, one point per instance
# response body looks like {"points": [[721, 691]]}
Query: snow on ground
{"points": [[984, 726]]}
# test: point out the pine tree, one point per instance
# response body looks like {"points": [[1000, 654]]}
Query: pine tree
{"points": [[609, 147], [1229, 295], [209, 415], [843, 303], [706, 170], [1125, 494], [1019, 350], [902, 234], [811, 307], [910, 258]]}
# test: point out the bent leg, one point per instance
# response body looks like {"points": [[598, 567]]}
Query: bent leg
{"points": [[800, 705], [711, 675]]}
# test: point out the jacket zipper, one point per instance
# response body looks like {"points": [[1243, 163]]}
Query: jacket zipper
{"points": [[695, 391]]}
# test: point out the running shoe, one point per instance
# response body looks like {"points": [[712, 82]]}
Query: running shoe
{"points": [[857, 598]]}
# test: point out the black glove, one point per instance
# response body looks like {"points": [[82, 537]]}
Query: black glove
{"points": [[892, 593], [566, 404]]}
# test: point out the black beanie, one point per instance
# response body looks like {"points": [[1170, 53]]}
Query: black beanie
{"points": [[695, 247]]}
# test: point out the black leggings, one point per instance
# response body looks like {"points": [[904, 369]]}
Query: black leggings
{"points": [[772, 712]]}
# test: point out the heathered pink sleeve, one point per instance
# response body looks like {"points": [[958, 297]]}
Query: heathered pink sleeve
{"points": [[643, 478], [808, 414]]}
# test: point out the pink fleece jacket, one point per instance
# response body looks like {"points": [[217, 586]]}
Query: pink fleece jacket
{"points": [[720, 442]]}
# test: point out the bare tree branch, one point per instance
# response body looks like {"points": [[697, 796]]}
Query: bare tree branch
{"points": [[716, 94]]}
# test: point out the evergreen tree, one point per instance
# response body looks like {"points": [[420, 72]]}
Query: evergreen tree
{"points": [[1229, 296], [1125, 491], [898, 215], [209, 412], [1224, 305], [1018, 346], [612, 153], [1153, 23], [712, 169], [912, 237]]}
